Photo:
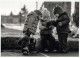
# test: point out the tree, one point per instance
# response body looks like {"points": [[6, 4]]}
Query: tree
{"points": [[11, 14], [22, 14], [24, 10]]}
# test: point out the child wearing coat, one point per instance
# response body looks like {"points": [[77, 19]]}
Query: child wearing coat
{"points": [[46, 32], [30, 27], [62, 26]]}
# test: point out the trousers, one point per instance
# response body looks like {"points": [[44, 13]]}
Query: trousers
{"points": [[50, 44], [63, 41]]}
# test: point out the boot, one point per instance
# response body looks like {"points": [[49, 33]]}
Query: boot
{"points": [[25, 51]]}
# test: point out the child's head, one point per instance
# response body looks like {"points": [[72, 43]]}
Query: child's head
{"points": [[39, 14], [57, 10], [45, 14]]}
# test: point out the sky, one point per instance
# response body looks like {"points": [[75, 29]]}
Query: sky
{"points": [[15, 5]]}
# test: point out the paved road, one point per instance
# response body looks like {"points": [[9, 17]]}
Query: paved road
{"points": [[19, 54]]}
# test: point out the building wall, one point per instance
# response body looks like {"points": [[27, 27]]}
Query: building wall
{"points": [[4, 19]]}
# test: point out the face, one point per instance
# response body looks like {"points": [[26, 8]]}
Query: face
{"points": [[40, 17], [56, 16], [47, 18]]}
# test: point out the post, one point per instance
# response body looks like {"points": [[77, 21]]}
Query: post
{"points": [[36, 5], [20, 18]]}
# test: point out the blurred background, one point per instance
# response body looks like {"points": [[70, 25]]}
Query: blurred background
{"points": [[13, 13]]}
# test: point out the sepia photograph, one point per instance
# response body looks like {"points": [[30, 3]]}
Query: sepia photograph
{"points": [[39, 28]]}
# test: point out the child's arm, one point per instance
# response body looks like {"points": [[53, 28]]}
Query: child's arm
{"points": [[52, 22], [66, 21], [41, 27], [63, 20]]}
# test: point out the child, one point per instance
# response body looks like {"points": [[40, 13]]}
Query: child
{"points": [[62, 26], [46, 32], [30, 27]]}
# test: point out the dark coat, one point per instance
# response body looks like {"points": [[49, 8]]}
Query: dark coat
{"points": [[48, 29], [64, 19]]}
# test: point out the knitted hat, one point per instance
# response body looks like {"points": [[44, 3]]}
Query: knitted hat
{"points": [[58, 10], [38, 12], [45, 12]]}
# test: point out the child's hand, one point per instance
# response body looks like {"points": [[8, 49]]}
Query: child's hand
{"points": [[60, 24], [42, 27], [51, 26]]}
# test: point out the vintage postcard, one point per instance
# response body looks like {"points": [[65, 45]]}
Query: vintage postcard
{"points": [[39, 28]]}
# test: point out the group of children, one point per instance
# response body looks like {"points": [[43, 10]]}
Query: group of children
{"points": [[46, 26]]}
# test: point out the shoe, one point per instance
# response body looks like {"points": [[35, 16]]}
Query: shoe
{"points": [[43, 51], [50, 51], [25, 51], [64, 51], [59, 50]]}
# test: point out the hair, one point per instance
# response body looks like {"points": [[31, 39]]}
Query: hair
{"points": [[45, 12], [38, 12]]}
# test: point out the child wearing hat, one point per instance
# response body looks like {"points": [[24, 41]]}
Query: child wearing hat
{"points": [[30, 27], [46, 32], [62, 26]]}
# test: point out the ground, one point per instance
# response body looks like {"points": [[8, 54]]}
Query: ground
{"points": [[18, 53]]}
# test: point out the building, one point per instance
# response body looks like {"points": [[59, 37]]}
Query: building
{"points": [[13, 19]]}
